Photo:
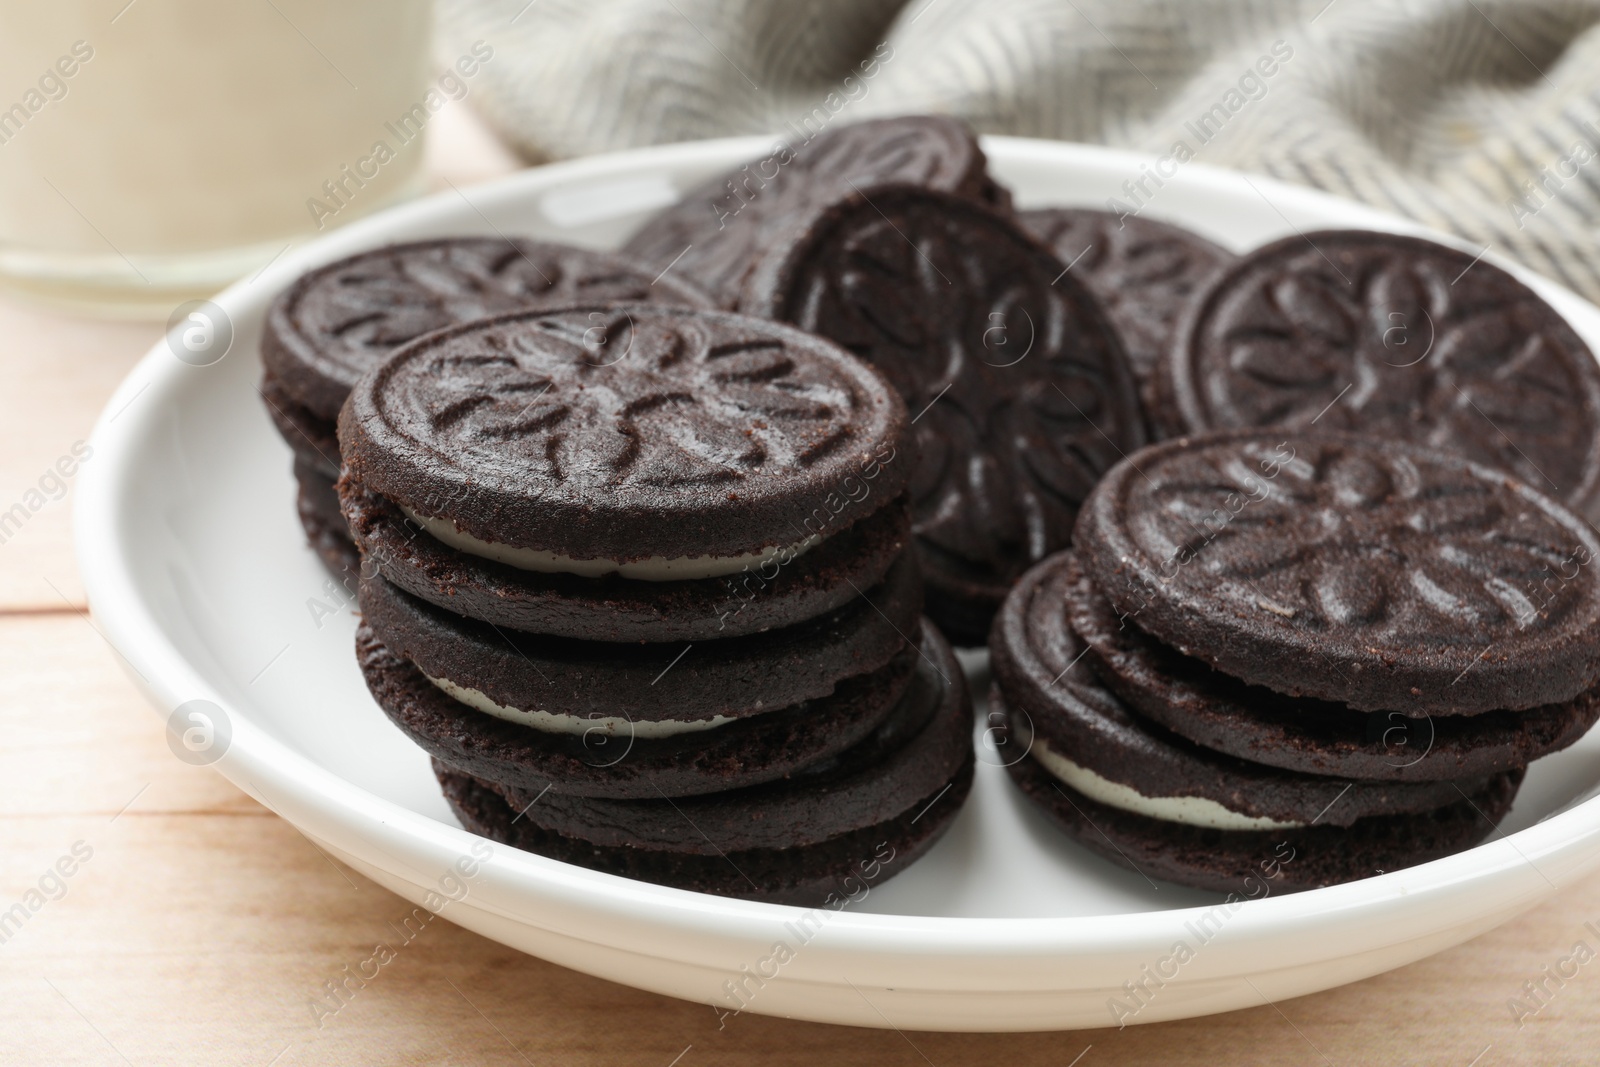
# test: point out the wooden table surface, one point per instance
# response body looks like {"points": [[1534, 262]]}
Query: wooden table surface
{"points": [[200, 926]]}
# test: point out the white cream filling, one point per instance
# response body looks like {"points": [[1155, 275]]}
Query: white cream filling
{"points": [[577, 726], [1191, 811], [649, 569]]}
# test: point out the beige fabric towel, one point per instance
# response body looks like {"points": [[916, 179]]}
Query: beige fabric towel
{"points": [[1481, 117]]}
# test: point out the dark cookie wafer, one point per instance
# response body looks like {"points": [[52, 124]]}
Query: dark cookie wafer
{"points": [[715, 234], [737, 677], [1143, 271], [831, 830], [628, 432], [1397, 336], [1060, 709], [313, 440], [1021, 393], [1258, 863], [1368, 572], [339, 321], [609, 608], [317, 504], [615, 761], [1222, 713]]}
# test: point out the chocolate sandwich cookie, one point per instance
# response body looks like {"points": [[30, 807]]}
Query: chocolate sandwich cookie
{"points": [[1258, 863], [620, 758], [1087, 755], [315, 448], [338, 322], [1396, 336], [1369, 572], [313, 440], [1023, 396], [317, 504], [540, 679], [831, 831], [1253, 723], [715, 234], [629, 472], [772, 593], [1143, 272]]}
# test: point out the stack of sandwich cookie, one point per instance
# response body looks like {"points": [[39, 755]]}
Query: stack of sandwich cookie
{"points": [[337, 322], [1265, 644], [864, 814], [625, 555]]}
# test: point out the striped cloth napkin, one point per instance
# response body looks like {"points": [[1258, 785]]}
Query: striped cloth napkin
{"points": [[1480, 117]]}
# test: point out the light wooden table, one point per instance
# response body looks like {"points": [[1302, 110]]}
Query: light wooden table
{"points": [[200, 926]]}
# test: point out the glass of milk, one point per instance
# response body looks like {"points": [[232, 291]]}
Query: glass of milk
{"points": [[153, 151]]}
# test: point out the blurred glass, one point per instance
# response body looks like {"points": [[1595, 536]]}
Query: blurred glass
{"points": [[153, 151]]}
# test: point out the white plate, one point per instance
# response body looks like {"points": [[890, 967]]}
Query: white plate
{"points": [[198, 574]]}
